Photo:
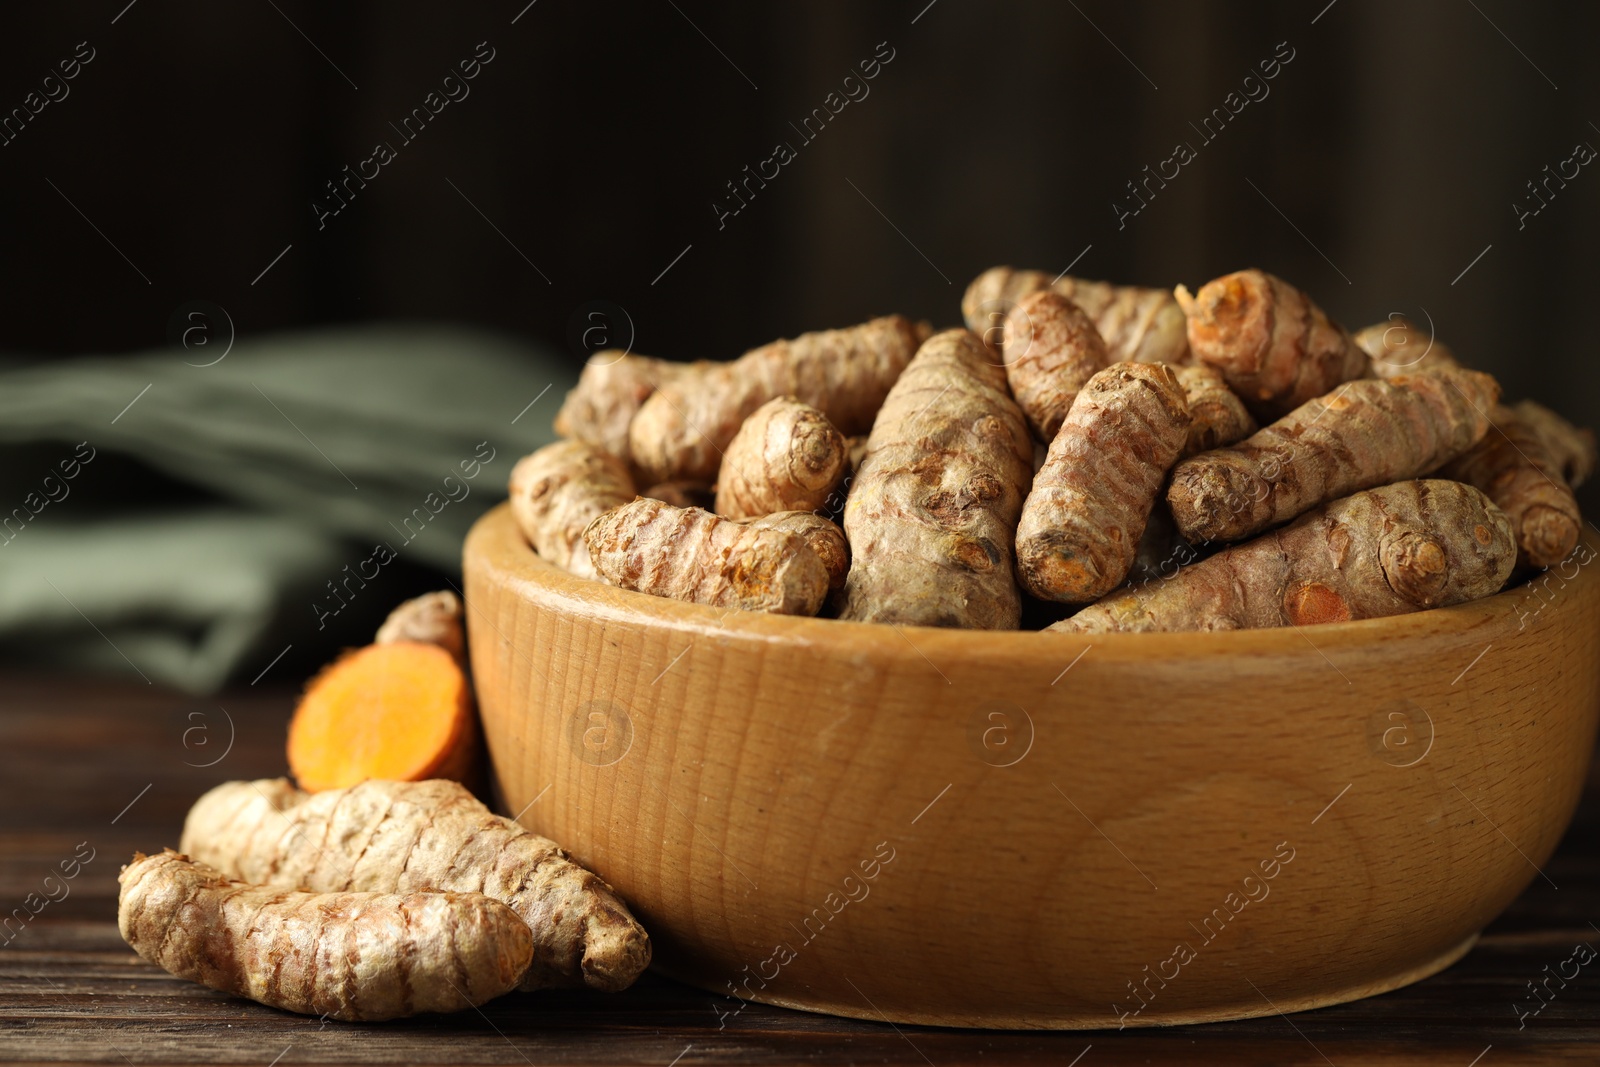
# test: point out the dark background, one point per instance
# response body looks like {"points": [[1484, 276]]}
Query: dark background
{"points": [[595, 142]]}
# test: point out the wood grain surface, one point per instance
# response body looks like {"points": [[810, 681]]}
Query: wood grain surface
{"points": [[1024, 829]]}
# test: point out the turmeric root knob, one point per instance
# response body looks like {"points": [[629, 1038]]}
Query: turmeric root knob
{"points": [[1137, 324], [1220, 417], [431, 619], [786, 457], [933, 512], [992, 295], [1387, 551], [401, 710], [356, 957], [823, 535], [556, 491], [1399, 346], [1363, 434], [1051, 349], [1140, 325], [609, 393], [1275, 347], [1572, 449], [408, 837], [1083, 519], [1513, 466], [689, 554], [682, 431]]}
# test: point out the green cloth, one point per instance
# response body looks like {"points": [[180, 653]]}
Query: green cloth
{"points": [[179, 599], [318, 447]]}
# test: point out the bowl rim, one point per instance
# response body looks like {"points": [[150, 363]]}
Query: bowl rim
{"points": [[495, 538]]}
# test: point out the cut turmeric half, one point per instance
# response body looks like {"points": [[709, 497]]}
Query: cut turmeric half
{"points": [[401, 711]]}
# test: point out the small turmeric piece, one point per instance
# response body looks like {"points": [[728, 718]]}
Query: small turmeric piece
{"points": [[933, 512], [556, 491], [356, 957], [823, 535], [1386, 551], [1220, 417], [1515, 470], [682, 431], [689, 554], [1399, 346], [411, 837], [609, 393], [1572, 449], [400, 710], [1275, 347], [1363, 434], [432, 619], [1083, 519], [991, 296], [1137, 324], [435, 619], [786, 457], [1051, 348]]}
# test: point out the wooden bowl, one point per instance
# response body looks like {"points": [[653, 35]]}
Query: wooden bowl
{"points": [[1039, 830]]}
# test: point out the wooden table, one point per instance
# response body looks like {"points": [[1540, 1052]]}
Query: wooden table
{"points": [[112, 767]]}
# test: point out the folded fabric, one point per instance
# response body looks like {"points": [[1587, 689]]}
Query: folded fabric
{"points": [[178, 599], [325, 443]]}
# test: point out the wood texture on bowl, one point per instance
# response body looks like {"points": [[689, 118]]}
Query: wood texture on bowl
{"points": [[1039, 830]]}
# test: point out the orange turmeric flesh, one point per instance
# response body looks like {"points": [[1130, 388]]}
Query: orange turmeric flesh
{"points": [[399, 711]]}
